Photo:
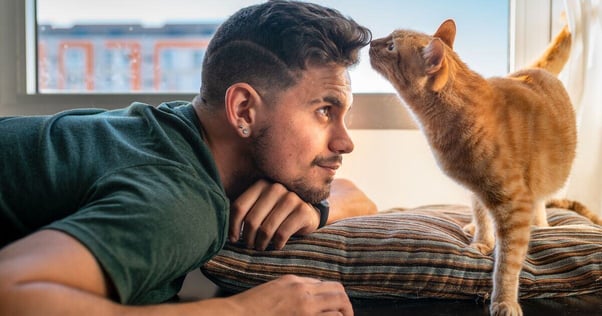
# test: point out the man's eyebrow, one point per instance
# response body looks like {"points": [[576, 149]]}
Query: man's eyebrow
{"points": [[334, 101], [329, 99]]}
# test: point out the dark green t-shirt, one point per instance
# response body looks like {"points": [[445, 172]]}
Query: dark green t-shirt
{"points": [[137, 186]]}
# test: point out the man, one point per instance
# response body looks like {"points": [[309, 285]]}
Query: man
{"points": [[103, 210]]}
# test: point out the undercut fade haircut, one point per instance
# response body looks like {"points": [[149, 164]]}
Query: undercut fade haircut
{"points": [[269, 45]]}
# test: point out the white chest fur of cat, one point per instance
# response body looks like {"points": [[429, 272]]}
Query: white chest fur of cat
{"points": [[510, 140]]}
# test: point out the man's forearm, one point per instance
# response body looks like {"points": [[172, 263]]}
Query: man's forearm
{"points": [[36, 298], [347, 200]]}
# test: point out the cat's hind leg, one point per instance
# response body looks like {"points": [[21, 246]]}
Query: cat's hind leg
{"points": [[513, 231], [481, 228], [540, 215]]}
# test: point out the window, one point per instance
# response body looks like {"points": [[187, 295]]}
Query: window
{"points": [[94, 48], [97, 55], [115, 57]]}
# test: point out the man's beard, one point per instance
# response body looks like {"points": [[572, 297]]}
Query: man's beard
{"points": [[301, 186]]}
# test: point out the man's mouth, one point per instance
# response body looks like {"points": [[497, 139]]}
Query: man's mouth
{"points": [[333, 167], [330, 164]]}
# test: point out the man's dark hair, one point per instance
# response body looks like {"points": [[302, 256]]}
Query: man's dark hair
{"points": [[269, 45]]}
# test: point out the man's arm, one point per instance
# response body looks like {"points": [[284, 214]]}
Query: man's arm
{"points": [[268, 212], [52, 273], [347, 200]]}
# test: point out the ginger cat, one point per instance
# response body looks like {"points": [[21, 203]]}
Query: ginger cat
{"points": [[510, 140]]}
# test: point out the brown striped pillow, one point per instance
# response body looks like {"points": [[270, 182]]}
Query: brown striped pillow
{"points": [[420, 253]]}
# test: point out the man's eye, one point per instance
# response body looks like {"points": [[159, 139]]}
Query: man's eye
{"points": [[324, 111]]}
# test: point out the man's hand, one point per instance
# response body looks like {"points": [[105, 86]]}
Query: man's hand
{"points": [[291, 294], [270, 212]]}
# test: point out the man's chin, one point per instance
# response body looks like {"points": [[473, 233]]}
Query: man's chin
{"points": [[308, 195], [311, 192], [315, 194]]}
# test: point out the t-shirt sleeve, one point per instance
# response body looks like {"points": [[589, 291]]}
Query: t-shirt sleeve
{"points": [[148, 226]]}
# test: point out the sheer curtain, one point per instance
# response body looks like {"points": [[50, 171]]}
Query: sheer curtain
{"points": [[583, 78]]}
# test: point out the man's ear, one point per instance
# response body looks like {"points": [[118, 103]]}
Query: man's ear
{"points": [[241, 107]]}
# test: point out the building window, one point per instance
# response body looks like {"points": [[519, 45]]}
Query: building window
{"points": [[107, 58]]}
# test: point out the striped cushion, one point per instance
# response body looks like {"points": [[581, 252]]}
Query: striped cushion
{"points": [[420, 253]]}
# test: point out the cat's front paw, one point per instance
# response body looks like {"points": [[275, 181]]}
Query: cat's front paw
{"points": [[484, 248], [505, 309], [482, 241]]}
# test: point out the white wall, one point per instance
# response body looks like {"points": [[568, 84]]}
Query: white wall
{"points": [[396, 169]]}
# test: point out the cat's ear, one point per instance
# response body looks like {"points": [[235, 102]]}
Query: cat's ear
{"points": [[433, 55], [436, 66], [447, 32]]}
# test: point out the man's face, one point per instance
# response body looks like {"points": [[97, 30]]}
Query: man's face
{"points": [[299, 140]]}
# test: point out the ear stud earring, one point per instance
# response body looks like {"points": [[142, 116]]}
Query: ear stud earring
{"points": [[244, 130]]}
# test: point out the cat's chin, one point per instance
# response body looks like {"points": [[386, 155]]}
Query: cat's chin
{"points": [[377, 66], [381, 72], [380, 68]]}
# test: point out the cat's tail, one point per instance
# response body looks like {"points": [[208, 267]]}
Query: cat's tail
{"points": [[576, 207], [557, 53]]}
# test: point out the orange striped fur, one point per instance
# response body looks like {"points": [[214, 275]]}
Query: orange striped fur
{"points": [[576, 207], [510, 140]]}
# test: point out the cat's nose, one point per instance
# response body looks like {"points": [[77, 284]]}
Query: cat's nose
{"points": [[378, 41]]}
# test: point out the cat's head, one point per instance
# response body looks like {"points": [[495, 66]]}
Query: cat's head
{"points": [[414, 60]]}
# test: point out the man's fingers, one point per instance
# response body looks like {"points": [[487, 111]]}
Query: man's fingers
{"points": [[242, 205], [303, 221], [265, 207], [287, 218], [291, 225], [333, 299], [286, 208], [268, 212]]}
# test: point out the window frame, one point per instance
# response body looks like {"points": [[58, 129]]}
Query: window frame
{"points": [[530, 28]]}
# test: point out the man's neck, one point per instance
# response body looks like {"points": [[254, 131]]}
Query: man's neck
{"points": [[227, 151]]}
